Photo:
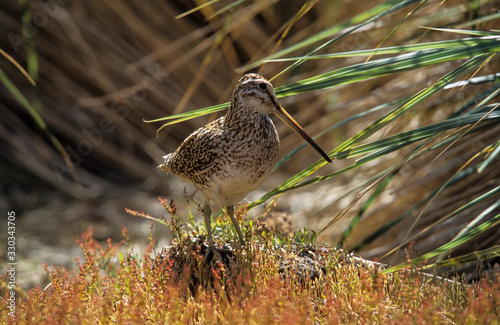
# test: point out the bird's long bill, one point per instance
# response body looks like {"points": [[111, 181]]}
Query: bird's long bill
{"points": [[288, 120]]}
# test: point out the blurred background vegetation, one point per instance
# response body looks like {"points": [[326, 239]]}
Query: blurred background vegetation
{"points": [[76, 150]]}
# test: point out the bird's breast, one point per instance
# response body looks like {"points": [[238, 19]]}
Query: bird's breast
{"points": [[249, 153], [250, 147]]}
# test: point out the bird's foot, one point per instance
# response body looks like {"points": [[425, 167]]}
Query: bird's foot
{"points": [[222, 253], [209, 254]]}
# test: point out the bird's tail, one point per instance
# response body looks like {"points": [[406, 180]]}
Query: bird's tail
{"points": [[165, 166]]}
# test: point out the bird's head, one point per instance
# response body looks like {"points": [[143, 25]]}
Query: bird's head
{"points": [[255, 94]]}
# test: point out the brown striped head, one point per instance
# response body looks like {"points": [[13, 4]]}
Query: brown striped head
{"points": [[255, 94]]}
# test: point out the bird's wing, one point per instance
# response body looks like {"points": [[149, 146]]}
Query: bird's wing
{"points": [[198, 153]]}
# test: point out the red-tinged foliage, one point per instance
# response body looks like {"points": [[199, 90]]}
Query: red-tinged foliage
{"points": [[246, 285]]}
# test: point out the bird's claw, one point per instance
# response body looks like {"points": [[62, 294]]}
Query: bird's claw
{"points": [[209, 255]]}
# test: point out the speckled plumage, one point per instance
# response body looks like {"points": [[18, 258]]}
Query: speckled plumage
{"points": [[225, 161], [231, 156]]}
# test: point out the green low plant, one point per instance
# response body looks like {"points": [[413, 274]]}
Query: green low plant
{"points": [[260, 283]]}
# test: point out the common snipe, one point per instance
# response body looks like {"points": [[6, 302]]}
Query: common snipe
{"points": [[231, 156]]}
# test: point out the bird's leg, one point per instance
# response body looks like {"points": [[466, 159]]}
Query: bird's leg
{"points": [[230, 211], [207, 213]]}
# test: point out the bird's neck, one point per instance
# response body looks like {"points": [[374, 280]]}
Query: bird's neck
{"points": [[243, 125], [244, 117]]}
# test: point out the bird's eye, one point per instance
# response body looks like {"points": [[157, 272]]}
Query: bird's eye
{"points": [[263, 86]]}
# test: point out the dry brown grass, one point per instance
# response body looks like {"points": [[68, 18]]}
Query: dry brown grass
{"points": [[123, 62]]}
